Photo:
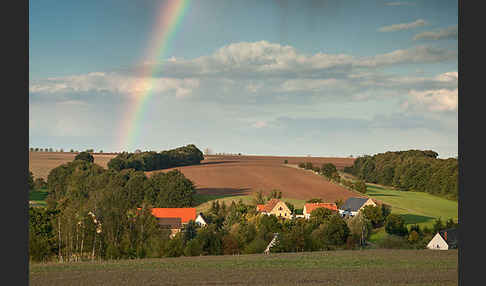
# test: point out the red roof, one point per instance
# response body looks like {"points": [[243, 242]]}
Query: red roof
{"points": [[268, 207], [260, 208], [186, 214], [309, 207]]}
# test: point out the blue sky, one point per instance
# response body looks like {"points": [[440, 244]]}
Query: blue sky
{"points": [[321, 78]]}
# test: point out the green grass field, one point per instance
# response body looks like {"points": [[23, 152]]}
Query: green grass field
{"points": [[203, 202], [344, 267], [415, 207], [37, 197]]}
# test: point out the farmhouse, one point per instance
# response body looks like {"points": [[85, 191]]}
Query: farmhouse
{"points": [[174, 218], [309, 207], [444, 239], [353, 205], [275, 207], [200, 220]]}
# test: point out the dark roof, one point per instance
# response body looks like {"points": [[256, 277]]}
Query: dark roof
{"points": [[450, 236], [170, 222], [353, 204]]}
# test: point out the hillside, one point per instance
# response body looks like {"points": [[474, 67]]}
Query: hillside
{"points": [[41, 163], [241, 175]]}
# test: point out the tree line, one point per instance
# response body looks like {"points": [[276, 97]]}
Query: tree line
{"points": [[410, 170], [93, 212], [330, 172], [151, 160]]}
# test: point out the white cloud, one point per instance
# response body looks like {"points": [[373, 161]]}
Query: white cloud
{"points": [[446, 33], [403, 26], [113, 83], [435, 100]]}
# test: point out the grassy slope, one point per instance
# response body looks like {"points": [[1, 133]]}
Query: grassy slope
{"points": [[37, 197], [203, 202], [415, 207], [369, 267]]}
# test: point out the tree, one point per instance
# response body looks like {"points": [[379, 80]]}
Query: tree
{"points": [[72, 150], [259, 198], [314, 200], [286, 161], [438, 225], [328, 170], [85, 156], [30, 181], [275, 194], [374, 215], [320, 215], [395, 225], [360, 186]]}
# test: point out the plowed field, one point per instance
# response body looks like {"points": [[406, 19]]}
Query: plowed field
{"points": [[242, 175]]}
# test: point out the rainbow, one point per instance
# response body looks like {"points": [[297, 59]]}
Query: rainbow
{"points": [[170, 15]]}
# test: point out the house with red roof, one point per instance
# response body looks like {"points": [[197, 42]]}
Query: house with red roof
{"points": [[275, 207], [309, 207], [174, 218]]}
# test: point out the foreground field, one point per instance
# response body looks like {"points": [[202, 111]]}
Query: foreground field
{"points": [[41, 163], [241, 176], [415, 207], [368, 267]]}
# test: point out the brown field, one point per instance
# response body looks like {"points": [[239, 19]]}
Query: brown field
{"points": [[343, 267], [233, 175], [243, 175], [41, 163]]}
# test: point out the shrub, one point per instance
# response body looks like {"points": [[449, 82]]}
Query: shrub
{"points": [[394, 242], [395, 225], [85, 156]]}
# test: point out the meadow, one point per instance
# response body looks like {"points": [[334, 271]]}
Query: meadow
{"points": [[415, 207], [344, 267]]}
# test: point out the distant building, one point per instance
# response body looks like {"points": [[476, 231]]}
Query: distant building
{"points": [[444, 239], [353, 205], [309, 207], [200, 220], [275, 207], [174, 218]]}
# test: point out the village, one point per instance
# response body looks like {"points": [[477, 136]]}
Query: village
{"points": [[176, 219]]}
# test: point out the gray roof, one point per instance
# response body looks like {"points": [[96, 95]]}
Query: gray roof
{"points": [[450, 236], [170, 222], [353, 204]]}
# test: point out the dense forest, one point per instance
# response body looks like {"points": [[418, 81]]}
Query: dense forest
{"points": [[151, 160], [412, 170]]}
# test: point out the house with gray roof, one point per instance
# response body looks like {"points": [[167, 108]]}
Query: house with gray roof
{"points": [[352, 206], [444, 239]]}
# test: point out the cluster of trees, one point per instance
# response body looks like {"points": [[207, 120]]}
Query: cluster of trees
{"points": [[37, 149], [410, 170], [37, 183], [330, 172], [148, 161], [94, 212]]}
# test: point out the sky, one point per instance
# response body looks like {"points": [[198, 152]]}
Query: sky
{"points": [[294, 78]]}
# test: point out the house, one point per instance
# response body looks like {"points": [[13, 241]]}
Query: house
{"points": [[174, 224], [174, 218], [200, 220], [275, 207], [444, 239], [353, 205], [309, 207]]}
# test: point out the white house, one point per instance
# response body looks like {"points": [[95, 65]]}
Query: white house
{"points": [[444, 240], [200, 220], [353, 205]]}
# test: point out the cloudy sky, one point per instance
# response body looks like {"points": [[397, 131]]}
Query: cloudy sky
{"points": [[320, 78]]}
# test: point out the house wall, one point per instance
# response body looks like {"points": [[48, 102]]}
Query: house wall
{"points": [[281, 210], [369, 202], [437, 242], [200, 221]]}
